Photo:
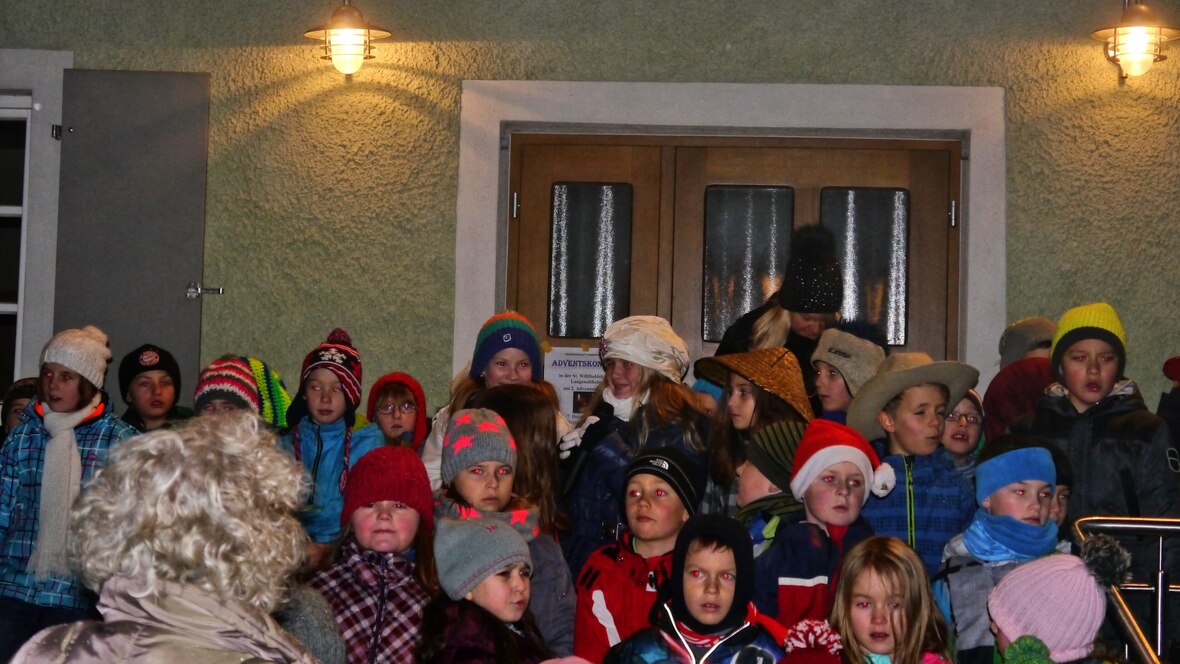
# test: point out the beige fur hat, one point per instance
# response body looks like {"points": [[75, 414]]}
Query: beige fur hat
{"points": [[856, 359], [898, 373]]}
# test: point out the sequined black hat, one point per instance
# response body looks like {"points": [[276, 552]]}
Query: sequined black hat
{"points": [[814, 282]]}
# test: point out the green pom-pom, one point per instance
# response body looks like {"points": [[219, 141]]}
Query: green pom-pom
{"points": [[1027, 650]]}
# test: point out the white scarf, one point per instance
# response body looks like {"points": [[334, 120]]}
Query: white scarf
{"points": [[624, 408], [61, 481]]}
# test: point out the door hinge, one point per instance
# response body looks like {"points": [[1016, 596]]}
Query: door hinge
{"points": [[55, 132], [515, 205], [954, 214], [196, 289]]}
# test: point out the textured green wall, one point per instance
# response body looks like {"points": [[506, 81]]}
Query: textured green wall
{"points": [[333, 203]]}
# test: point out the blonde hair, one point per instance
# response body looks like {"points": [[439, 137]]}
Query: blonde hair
{"points": [[666, 402], [771, 328], [917, 626], [209, 504]]}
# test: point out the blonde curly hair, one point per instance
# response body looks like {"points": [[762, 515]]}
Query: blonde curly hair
{"points": [[209, 504]]}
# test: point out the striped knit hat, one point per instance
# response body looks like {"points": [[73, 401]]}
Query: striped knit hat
{"points": [[337, 355], [273, 394], [507, 329], [1089, 321], [229, 378]]}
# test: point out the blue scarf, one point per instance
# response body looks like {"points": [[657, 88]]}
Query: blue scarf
{"points": [[993, 538], [874, 658]]}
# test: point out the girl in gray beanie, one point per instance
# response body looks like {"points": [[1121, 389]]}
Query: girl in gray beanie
{"points": [[482, 615]]}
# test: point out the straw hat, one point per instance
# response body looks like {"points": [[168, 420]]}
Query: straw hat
{"points": [[899, 372], [775, 370]]}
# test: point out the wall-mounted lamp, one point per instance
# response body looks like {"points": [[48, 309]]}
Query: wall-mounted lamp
{"points": [[1137, 41], [347, 38]]}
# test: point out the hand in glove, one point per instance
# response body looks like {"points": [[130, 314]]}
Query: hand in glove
{"points": [[573, 439]]}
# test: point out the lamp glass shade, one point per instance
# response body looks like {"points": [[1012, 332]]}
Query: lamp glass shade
{"points": [[1137, 41], [347, 38]]}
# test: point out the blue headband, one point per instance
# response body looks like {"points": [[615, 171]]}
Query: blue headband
{"points": [[1022, 465]]}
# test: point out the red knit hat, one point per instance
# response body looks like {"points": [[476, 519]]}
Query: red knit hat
{"points": [[415, 389], [389, 473], [1172, 368], [826, 443]]}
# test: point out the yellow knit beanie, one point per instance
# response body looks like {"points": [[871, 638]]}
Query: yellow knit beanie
{"points": [[1089, 321]]}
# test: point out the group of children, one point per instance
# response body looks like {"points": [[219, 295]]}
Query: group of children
{"points": [[876, 525]]}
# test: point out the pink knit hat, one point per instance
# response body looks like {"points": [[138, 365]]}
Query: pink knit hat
{"points": [[1056, 599]]}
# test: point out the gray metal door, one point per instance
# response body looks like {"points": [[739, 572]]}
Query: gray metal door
{"points": [[131, 220]]}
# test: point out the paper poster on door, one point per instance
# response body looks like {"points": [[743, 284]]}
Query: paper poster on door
{"points": [[575, 374]]}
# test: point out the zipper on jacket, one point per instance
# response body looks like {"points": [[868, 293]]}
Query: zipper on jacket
{"points": [[315, 464], [378, 623], [911, 527]]}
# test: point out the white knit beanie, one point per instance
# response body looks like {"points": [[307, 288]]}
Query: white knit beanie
{"points": [[84, 351]]}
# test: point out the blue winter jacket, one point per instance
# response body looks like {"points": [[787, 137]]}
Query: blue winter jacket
{"points": [[322, 454], [937, 496], [21, 466]]}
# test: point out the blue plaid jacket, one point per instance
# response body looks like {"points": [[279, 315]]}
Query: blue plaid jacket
{"points": [[943, 504], [21, 462]]}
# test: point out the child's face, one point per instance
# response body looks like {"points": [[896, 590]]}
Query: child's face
{"points": [[1059, 506], [510, 366], [219, 407], [152, 394], [622, 377], [1002, 640], [654, 511], [875, 613], [325, 396], [959, 436], [505, 594], [836, 496], [486, 485], [740, 403], [753, 485], [831, 388], [1089, 369], [916, 427], [13, 420], [396, 419], [387, 526], [1026, 501], [61, 385], [710, 581]]}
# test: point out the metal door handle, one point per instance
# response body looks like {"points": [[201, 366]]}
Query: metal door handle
{"points": [[195, 290]]}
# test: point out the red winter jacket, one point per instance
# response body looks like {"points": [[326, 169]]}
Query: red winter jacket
{"points": [[616, 590]]}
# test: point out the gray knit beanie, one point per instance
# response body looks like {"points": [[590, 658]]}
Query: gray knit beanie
{"points": [[467, 551], [83, 351], [475, 435], [1025, 335]]}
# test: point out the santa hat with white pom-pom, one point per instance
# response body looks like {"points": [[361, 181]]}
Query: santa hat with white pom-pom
{"points": [[825, 444]]}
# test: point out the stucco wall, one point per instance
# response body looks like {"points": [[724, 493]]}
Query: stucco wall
{"points": [[333, 203]]}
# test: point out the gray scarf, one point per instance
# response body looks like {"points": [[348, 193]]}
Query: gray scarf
{"points": [[61, 481]]}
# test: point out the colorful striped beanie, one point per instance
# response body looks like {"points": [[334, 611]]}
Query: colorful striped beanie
{"points": [[506, 330], [272, 392], [229, 378]]}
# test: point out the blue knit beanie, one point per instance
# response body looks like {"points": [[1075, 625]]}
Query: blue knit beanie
{"points": [[1020, 465]]}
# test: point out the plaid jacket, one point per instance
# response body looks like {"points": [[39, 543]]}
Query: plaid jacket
{"points": [[21, 462], [377, 601]]}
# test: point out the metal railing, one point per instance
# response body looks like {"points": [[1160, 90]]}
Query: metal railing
{"points": [[1145, 650]]}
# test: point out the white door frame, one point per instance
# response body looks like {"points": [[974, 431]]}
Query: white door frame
{"points": [[975, 113], [37, 75]]}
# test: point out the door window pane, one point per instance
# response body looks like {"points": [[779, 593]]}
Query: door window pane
{"points": [[747, 242], [9, 258], [12, 162], [7, 356], [870, 226], [589, 258]]}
